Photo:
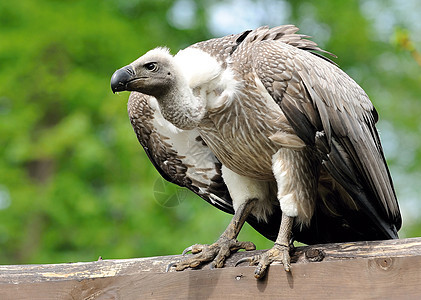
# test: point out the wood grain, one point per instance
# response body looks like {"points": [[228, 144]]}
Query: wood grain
{"points": [[381, 269]]}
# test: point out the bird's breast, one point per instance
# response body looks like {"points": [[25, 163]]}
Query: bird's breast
{"points": [[238, 134]]}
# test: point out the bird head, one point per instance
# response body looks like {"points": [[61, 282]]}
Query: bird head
{"points": [[152, 74]]}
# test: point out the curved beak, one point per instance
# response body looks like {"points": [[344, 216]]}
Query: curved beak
{"points": [[121, 78]]}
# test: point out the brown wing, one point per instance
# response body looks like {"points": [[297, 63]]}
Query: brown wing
{"points": [[331, 113], [180, 156]]}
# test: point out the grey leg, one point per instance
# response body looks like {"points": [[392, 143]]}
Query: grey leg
{"points": [[225, 245]]}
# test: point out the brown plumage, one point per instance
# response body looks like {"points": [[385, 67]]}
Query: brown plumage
{"points": [[261, 125]]}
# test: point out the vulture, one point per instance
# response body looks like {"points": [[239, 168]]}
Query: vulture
{"points": [[264, 126]]}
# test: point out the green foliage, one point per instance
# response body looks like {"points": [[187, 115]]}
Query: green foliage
{"points": [[78, 183], [74, 182]]}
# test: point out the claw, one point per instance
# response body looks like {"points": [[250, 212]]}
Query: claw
{"points": [[215, 253], [187, 250], [167, 269], [260, 271], [278, 253], [286, 263], [245, 259]]}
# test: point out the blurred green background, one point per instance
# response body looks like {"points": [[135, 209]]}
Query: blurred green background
{"points": [[74, 182]]}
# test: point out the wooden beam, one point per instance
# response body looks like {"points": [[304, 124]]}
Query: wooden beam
{"points": [[377, 269]]}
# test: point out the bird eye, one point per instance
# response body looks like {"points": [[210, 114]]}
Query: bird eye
{"points": [[151, 66]]}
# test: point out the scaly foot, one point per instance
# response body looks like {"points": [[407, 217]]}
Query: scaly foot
{"points": [[216, 252], [278, 253]]}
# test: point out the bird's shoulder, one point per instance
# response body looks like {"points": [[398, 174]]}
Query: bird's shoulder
{"points": [[302, 77]]}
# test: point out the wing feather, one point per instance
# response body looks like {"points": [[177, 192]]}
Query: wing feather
{"points": [[180, 156], [321, 100]]}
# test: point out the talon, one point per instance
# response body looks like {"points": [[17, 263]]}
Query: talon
{"points": [[167, 269], [259, 271], [285, 257], [187, 250], [286, 262], [245, 259]]}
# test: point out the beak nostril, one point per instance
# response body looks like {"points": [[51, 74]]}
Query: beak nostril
{"points": [[130, 71]]}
